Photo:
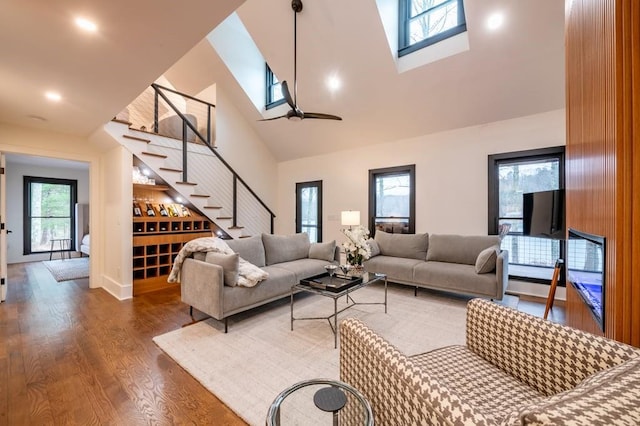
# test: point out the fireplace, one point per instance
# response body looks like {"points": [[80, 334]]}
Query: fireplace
{"points": [[586, 270]]}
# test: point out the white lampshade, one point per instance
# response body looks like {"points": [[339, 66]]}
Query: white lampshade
{"points": [[350, 218]]}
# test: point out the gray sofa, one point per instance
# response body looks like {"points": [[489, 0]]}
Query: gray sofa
{"points": [[471, 265], [287, 259]]}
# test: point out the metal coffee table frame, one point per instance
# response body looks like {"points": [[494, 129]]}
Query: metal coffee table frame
{"points": [[367, 278]]}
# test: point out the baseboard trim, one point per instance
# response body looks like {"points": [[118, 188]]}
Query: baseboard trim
{"points": [[116, 289]]}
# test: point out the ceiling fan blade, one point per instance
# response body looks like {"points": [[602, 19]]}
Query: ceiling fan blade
{"points": [[321, 116], [273, 118], [287, 95]]}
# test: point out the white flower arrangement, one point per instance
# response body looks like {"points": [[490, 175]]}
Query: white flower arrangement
{"points": [[356, 247]]}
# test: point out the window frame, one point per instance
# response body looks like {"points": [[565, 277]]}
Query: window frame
{"points": [[404, 22], [27, 225], [409, 169], [311, 184], [269, 80], [494, 161]]}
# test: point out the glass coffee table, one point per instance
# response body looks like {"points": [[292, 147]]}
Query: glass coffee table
{"points": [[320, 401], [361, 281]]}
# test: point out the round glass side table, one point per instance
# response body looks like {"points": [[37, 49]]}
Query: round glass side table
{"points": [[318, 402]]}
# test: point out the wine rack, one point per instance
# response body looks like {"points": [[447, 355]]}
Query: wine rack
{"points": [[157, 241]]}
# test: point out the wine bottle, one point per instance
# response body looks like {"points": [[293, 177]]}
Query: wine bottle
{"points": [[163, 211], [150, 211], [136, 210], [185, 211]]}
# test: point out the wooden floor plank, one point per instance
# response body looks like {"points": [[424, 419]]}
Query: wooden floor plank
{"points": [[74, 355]]}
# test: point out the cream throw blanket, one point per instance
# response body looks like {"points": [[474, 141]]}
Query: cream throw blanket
{"points": [[248, 274]]}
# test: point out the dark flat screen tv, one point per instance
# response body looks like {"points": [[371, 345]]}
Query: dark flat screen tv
{"points": [[586, 269], [543, 214]]}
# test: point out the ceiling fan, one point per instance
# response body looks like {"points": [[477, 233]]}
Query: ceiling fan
{"points": [[295, 113]]}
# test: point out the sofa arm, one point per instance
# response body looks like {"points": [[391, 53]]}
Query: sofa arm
{"points": [[202, 286], [399, 392], [502, 272], [549, 357]]}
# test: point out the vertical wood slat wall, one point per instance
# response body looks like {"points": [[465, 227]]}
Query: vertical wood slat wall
{"points": [[603, 152]]}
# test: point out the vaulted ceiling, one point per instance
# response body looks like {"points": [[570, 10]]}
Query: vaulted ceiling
{"points": [[515, 71]]}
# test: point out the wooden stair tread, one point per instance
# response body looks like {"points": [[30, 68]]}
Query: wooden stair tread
{"points": [[135, 138], [244, 236], [169, 169], [236, 227], [212, 207], [154, 154], [224, 218], [117, 120], [200, 195], [181, 182]]}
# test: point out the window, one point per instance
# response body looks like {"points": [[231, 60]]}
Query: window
{"points": [[392, 200], [425, 22], [309, 209], [274, 90], [49, 212], [510, 176]]}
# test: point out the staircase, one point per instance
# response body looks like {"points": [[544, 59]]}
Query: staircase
{"points": [[213, 187]]}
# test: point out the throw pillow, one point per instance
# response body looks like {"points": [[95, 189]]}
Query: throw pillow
{"points": [[250, 249], [285, 248], [410, 246], [229, 263], [323, 251], [486, 261], [373, 245]]}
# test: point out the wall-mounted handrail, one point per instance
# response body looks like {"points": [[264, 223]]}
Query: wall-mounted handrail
{"points": [[158, 92]]}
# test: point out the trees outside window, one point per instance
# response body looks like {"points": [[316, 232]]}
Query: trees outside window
{"points": [[425, 22], [49, 212], [309, 209], [510, 176], [392, 199]]}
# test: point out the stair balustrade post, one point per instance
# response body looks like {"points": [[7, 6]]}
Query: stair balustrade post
{"points": [[155, 110], [184, 152], [235, 199], [209, 125]]}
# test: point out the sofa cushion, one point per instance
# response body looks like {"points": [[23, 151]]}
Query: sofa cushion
{"points": [[487, 388], [323, 251], [284, 248], [396, 268], [486, 260], [229, 263], [609, 397], [456, 277], [250, 249], [459, 248], [411, 246], [373, 247], [303, 268], [278, 285]]}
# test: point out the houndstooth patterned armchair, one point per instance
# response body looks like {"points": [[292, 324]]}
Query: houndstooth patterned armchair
{"points": [[515, 369]]}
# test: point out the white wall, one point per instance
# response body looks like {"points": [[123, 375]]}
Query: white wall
{"points": [[15, 173], [244, 150], [451, 175]]}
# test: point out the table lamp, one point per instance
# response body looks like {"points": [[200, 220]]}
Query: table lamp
{"points": [[350, 218]]}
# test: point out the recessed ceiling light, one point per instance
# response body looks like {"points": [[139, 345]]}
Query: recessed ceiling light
{"points": [[333, 83], [495, 20], [86, 25], [53, 96]]}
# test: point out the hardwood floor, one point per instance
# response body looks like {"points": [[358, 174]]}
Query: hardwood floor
{"points": [[73, 355]]}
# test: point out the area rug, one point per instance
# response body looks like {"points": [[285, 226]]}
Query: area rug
{"points": [[68, 269], [260, 356]]}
